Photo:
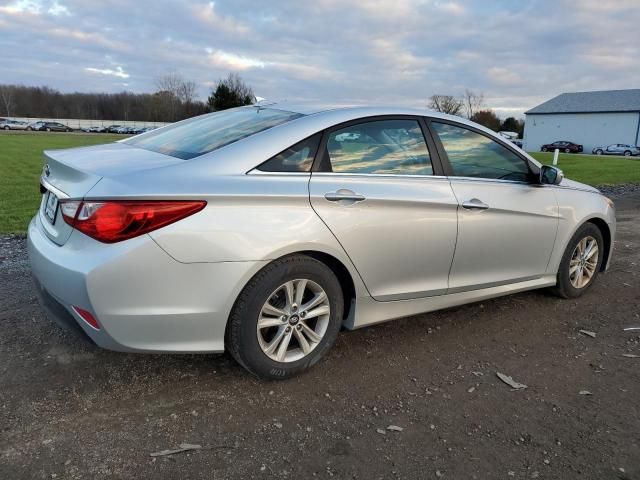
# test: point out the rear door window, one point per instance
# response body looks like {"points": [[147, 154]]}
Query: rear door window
{"points": [[383, 147]]}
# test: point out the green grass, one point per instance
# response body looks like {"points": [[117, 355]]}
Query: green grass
{"points": [[21, 164], [20, 168], [593, 169]]}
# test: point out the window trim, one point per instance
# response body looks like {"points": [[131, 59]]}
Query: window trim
{"points": [[322, 161], [534, 171]]}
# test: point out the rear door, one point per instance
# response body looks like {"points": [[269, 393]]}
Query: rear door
{"points": [[507, 223], [381, 192]]}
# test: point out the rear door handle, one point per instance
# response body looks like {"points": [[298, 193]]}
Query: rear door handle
{"points": [[344, 194], [475, 204]]}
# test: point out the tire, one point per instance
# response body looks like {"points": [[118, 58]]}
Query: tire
{"points": [[6, 128], [598, 152], [627, 153], [567, 150], [544, 149], [30, 129], [48, 129], [565, 286], [248, 345]]}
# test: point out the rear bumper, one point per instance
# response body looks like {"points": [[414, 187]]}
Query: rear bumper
{"points": [[144, 300]]}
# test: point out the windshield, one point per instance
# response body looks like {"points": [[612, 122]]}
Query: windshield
{"points": [[203, 134]]}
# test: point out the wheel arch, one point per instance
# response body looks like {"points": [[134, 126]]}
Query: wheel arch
{"points": [[606, 236], [343, 275], [340, 270]]}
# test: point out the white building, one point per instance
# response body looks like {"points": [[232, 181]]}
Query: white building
{"points": [[587, 118]]}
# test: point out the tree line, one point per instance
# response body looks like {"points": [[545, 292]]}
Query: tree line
{"points": [[471, 105], [175, 99]]}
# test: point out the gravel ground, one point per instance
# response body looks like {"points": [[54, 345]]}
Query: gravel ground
{"points": [[70, 410]]}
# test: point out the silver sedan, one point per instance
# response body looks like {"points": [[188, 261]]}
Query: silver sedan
{"points": [[263, 230]]}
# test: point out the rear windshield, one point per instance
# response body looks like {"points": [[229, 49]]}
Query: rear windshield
{"points": [[203, 134]]}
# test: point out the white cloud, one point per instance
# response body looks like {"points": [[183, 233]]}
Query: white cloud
{"points": [[118, 72], [23, 6], [232, 61], [57, 9]]}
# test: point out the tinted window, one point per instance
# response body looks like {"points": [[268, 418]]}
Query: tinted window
{"points": [[206, 133], [474, 155], [297, 158], [381, 147]]}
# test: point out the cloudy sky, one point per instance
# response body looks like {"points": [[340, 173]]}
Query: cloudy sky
{"points": [[518, 53]]}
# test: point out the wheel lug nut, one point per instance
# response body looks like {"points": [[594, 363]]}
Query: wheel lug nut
{"points": [[288, 329], [299, 327], [303, 314]]}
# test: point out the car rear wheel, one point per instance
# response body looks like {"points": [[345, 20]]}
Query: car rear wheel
{"points": [[581, 262], [627, 153], [6, 127], [286, 318], [48, 129], [544, 149], [567, 150], [599, 152]]}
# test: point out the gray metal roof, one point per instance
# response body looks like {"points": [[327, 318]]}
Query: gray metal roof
{"points": [[592, 102]]}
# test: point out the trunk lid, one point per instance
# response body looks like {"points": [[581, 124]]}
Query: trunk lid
{"points": [[71, 173]]}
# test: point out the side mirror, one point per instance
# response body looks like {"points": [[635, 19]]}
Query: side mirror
{"points": [[550, 175]]}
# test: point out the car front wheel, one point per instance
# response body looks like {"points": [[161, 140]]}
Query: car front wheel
{"points": [[286, 318], [581, 262], [598, 152], [544, 149], [627, 153], [567, 150]]}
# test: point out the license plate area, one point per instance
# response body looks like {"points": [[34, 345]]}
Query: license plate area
{"points": [[51, 206]]}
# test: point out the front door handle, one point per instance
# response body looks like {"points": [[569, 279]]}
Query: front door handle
{"points": [[344, 194], [475, 204]]}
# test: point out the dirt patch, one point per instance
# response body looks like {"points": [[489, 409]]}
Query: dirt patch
{"points": [[69, 410]]}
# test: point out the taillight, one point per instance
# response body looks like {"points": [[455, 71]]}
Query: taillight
{"points": [[111, 221]]}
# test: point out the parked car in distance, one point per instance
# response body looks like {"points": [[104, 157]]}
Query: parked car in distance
{"points": [[13, 125], [123, 130], [111, 128], [49, 127], [617, 149], [563, 146], [97, 129], [213, 233]]}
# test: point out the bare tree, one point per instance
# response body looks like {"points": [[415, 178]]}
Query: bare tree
{"points": [[6, 93], [179, 91], [187, 92], [445, 104], [472, 102]]}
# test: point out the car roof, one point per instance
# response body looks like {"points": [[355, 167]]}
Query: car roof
{"points": [[358, 110], [246, 154]]}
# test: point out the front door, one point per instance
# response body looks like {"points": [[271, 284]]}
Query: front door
{"points": [[506, 222], [376, 190]]}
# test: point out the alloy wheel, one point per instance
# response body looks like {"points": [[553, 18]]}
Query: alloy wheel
{"points": [[584, 262], [293, 320]]}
